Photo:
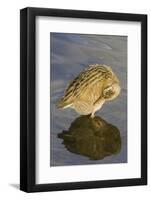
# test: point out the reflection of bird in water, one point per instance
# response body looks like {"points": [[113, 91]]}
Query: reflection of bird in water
{"points": [[90, 90], [94, 138]]}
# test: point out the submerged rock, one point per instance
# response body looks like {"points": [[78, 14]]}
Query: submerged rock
{"points": [[92, 137]]}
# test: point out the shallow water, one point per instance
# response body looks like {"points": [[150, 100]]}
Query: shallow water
{"points": [[71, 53]]}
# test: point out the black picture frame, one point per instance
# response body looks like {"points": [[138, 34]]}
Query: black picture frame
{"points": [[28, 98]]}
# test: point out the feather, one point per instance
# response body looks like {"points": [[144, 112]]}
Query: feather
{"points": [[91, 87]]}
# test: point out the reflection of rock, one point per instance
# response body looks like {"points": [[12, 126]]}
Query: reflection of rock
{"points": [[92, 137]]}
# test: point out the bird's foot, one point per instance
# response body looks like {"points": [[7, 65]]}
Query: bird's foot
{"points": [[92, 115]]}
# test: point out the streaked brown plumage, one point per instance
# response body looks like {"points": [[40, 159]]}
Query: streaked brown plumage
{"points": [[90, 90]]}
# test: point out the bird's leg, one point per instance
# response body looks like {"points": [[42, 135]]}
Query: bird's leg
{"points": [[92, 114]]}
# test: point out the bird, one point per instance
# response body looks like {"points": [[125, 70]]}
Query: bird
{"points": [[88, 92]]}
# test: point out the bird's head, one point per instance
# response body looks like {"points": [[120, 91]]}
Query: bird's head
{"points": [[111, 88], [111, 91]]}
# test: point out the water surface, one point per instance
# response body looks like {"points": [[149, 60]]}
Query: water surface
{"points": [[69, 54]]}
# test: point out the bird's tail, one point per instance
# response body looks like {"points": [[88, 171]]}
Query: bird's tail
{"points": [[63, 104]]}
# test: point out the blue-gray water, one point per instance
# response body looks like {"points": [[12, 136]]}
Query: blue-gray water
{"points": [[71, 53]]}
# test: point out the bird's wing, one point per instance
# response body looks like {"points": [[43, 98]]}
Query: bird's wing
{"points": [[89, 79]]}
